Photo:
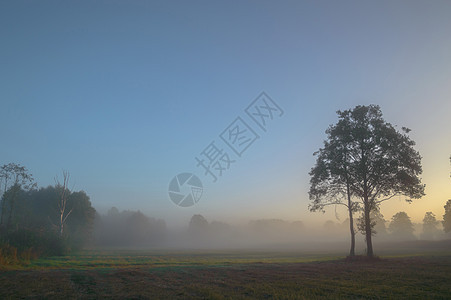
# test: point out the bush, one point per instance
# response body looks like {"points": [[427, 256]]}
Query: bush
{"points": [[8, 255], [31, 244], [28, 254], [23, 239], [54, 245]]}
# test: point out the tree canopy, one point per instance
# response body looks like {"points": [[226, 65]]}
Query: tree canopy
{"points": [[368, 159], [29, 217]]}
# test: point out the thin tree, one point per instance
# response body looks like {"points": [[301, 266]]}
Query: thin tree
{"points": [[63, 196], [380, 162]]}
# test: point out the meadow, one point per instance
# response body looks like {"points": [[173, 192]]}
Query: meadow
{"points": [[239, 274]]}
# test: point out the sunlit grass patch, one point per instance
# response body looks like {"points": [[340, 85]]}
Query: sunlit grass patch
{"points": [[124, 259]]}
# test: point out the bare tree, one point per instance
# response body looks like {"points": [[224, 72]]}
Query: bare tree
{"points": [[63, 195]]}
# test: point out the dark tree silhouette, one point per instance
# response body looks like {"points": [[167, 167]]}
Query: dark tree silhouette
{"points": [[430, 223], [401, 227], [447, 217], [80, 225], [366, 158], [46, 214], [34, 223], [377, 223], [13, 179], [198, 224], [330, 182]]}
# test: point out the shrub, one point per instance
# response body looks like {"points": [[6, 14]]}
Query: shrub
{"points": [[8, 255], [31, 244]]}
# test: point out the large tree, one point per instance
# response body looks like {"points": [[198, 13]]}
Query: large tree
{"points": [[372, 158]]}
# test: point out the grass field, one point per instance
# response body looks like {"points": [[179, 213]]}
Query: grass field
{"points": [[230, 275]]}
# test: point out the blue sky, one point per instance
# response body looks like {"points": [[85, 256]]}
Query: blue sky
{"points": [[125, 94]]}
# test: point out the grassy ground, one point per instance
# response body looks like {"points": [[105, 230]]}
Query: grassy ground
{"points": [[233, 275]]}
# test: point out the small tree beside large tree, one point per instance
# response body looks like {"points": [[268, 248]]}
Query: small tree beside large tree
{"points": [[330, 182], [368, 160]]}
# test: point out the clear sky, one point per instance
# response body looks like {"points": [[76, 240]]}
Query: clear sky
{"points": [[125, 94]]}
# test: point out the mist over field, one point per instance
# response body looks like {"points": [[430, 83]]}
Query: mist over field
{"points": [[134, 230]]}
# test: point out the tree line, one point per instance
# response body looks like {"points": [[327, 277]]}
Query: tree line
{"points": [[56, 220], [128, 228], [400, 227], [44, 221]]}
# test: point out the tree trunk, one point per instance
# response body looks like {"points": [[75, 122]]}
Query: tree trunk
{"points": [[3, 199], [62, 223], [11, 208], [3, 211], [367, 210], [351, 224], [369, 243], [351, 227]]}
